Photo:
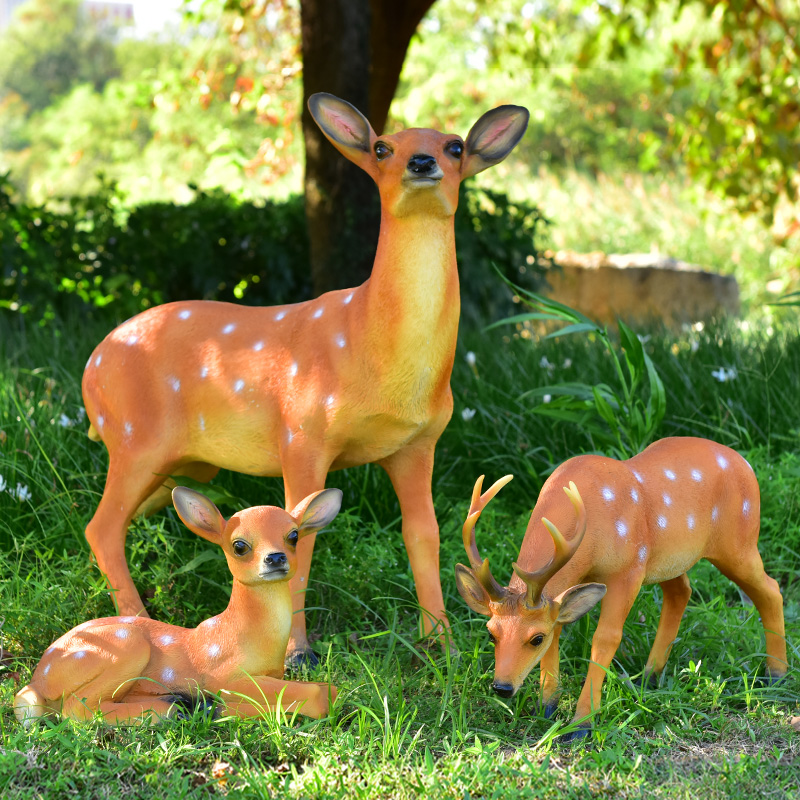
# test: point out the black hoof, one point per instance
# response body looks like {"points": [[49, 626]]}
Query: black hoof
{"points": [[299, 660], [186, 706], [549, 709], [580, 733], [647, 680], [770, 678]]}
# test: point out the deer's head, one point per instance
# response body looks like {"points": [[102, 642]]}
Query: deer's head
{"points": [[418, 170], [260, 542], [521, 623]]}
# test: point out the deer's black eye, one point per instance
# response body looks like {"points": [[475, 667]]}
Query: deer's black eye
{"points": [[292, 538], [455, 149], [537, 640], [382, 150], [240, 547]]}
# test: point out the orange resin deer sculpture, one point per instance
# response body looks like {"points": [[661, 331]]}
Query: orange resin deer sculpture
{"points": [[641, 521], [134, 668], [355, 376]]}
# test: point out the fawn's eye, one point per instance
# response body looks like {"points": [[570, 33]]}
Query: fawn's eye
{"points": [[455, 149], [240, 547], [292, 538], [382, 150], [537, 640]]}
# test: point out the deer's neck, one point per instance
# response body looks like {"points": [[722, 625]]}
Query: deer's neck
{"points": [[260, 615], [413, 302]]}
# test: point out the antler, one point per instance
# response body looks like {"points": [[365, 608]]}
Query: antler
{"points": [[481, 566], [564, 550]]}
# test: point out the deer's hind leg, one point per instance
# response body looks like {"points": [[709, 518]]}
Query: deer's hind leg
{"points": [[748, 573], [676, 597]]}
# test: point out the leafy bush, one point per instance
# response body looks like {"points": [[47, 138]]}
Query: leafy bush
{"points": [[91, 254]]}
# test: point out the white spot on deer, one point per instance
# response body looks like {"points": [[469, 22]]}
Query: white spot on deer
{"points": [[122, 633], [185, 314], [128, 429], [229, 328], [98, 360], [167, 639], [167, 674], [622, 528], [293, 369], [131, 340], [258, 347], [289, 436], [638, 476], [238, 386], [340, 340], [670, 474], [214, 650], [174, 383], [714, 514], [201, 421], [690, 522], [634, 495], [642, 554], [204, 372], [746, 507], [79, 654], [318, 313], [662, 521], [46, 669], [667, 499], [348, 298], [101, 421], [329, 400], [212, 622], [697, 475], [127, 620], [608, 494], [280, 315], [723, 462]]}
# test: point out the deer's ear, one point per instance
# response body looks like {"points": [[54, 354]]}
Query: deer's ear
{"points": [[469, 587], [344, 126], [493, 137], [578, 600], [317, 510], [198, 514]]}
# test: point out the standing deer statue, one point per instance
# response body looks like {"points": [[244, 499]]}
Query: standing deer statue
{"points": [[132, 669], [645, 520], [353, 377]]}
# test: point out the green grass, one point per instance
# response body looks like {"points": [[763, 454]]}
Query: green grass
{"points": [[412, 722]]}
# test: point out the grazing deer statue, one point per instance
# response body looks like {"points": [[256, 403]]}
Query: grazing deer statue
{"points": [[356, 376], [650, 519], [134, 668]]}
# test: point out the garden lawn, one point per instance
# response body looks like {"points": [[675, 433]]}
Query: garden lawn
{"points": [[412, 721]]}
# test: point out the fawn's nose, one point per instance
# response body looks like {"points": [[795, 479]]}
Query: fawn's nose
{"points": [[275, 560], [421, 164], [503, 689]]}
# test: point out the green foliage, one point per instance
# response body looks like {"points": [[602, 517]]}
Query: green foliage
{"points": [[620, 421]]}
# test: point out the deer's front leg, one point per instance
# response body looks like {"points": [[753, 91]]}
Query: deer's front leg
{"points": [[616, 606], [255, 696], [410, 471], [549, 675]]}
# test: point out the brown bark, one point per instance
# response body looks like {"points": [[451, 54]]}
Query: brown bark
{"points": [[355, 50]]}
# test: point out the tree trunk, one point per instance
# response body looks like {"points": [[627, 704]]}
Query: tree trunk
{"points": [[353, 49]]}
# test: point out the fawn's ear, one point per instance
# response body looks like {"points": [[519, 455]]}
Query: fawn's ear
{"points": [[317, 510], [493, 137], [345, 127], [198, 514], [576, 601], [470, 588]]}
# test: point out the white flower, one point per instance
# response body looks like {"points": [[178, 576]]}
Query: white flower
{"points": [[22, 493], [694, 345], [547, 398], [470, 358], [643, 339], [567, 363], [64, 421], [467, 414], [545, 364], [724, 374], [81, 414], [3, 484]]}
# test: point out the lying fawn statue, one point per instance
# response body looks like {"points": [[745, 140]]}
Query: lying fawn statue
{"points": [[355, 376], [650, 519], [135, 668]]}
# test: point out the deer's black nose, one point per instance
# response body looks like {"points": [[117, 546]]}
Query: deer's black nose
{"points": [[275, 560], [421, 164], [503, 689]]}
